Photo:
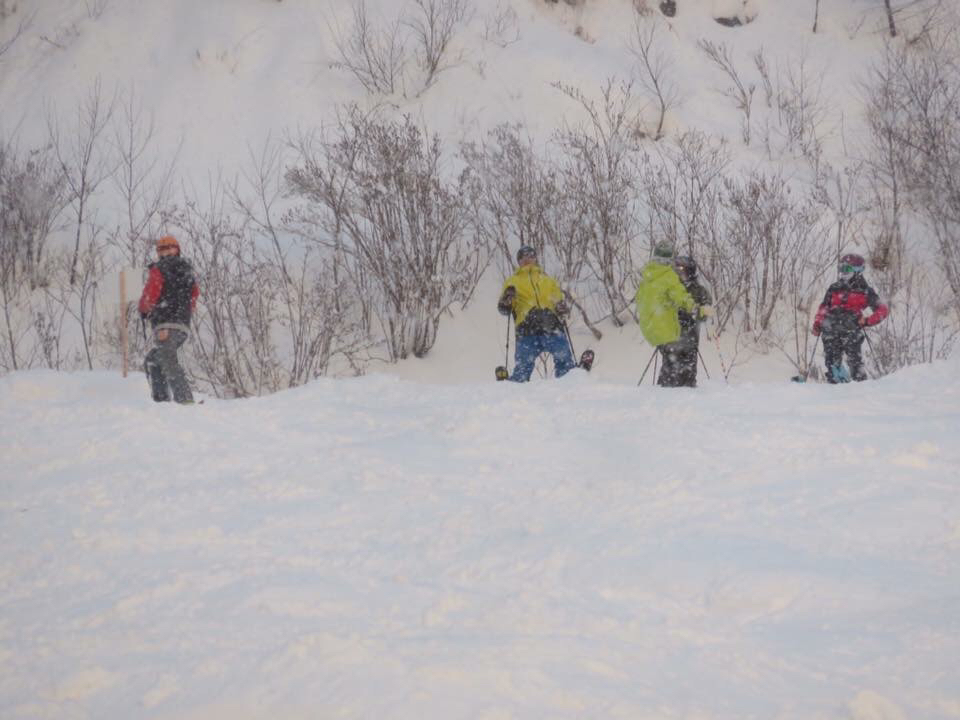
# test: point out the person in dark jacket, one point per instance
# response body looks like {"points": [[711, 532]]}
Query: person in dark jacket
{"points": [[538, 306], [168, 301], [689, 342], [840, 320]]}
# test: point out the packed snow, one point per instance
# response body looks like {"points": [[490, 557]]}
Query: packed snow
{"points": [[573, 548]]}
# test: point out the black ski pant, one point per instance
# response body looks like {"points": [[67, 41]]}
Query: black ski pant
{"points": [[836, 345], [164, 371], [678, 364]]}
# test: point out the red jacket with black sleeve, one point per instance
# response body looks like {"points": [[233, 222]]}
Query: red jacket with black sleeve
{"points": [[843, 305], [170, 295]]}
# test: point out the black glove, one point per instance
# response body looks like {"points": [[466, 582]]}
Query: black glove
{"points": [[505, 306]]}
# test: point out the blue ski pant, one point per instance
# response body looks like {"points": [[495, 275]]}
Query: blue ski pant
{"points": [[529, 348]]}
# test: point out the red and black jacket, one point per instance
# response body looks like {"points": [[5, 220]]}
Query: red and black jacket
{"points": [[171, 292], [842, 307]]}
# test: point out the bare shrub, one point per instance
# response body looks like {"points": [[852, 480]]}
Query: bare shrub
{"points": [[740, 92], [377, 53], [315, 308], [434, 24], [32, 192], [84, 164], [74, 294], [798, 121], [47, 315], [513, 196], [597, 164], [142, 180], [501, 26], [885, 173], [920, 329], [838, 192], [784, 254], [374, 55], [402, 228], [31, 198], [915, 91], [96, 8], [912, 19], [655, 70], [7, 42], [681, 184], [763, 68], [519, 196]]}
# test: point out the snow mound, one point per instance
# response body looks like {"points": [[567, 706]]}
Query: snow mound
{"points": [[386, 548]]}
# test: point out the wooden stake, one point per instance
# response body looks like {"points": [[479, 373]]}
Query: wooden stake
{"points": [[123, 320]]}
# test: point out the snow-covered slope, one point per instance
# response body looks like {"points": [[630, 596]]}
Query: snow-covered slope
{"points": [[379, 548], [221, 75]]}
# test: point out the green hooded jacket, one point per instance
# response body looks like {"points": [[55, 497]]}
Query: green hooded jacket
{"points": [[659, 297]]}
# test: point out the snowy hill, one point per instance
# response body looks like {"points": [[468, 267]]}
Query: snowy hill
{"points": [[186, 95], [378, 548], [221, 75], [422, 543]]}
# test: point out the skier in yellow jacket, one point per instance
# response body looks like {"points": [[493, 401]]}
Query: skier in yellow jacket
{"points": [[661, 297], [538, 307]]}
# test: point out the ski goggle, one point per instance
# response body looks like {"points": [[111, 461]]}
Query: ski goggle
{"points": [[847, 269]]}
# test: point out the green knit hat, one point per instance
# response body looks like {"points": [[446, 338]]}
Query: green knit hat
{"points": [[663, 250]]}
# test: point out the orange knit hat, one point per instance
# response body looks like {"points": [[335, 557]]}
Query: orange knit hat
{"points": [[168, 241]]}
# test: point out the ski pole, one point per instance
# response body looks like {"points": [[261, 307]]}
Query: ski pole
{"points": [[873, 354], [501, 372], [573, 353], [640, 381], [702, 362], [584, 361], [723, 365]]}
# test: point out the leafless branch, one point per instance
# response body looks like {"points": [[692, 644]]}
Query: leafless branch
{"points": [[433, 27], [741, 93], [655, 75], [374, 55]]}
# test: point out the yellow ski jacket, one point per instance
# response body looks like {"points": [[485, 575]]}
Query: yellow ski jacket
{"points": [[535, 291]]}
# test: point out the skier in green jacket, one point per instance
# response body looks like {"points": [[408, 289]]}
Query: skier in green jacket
{"points": [[660, 297]]}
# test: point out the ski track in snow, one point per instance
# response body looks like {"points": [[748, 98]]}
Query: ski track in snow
{"points": [[376, 548]]}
